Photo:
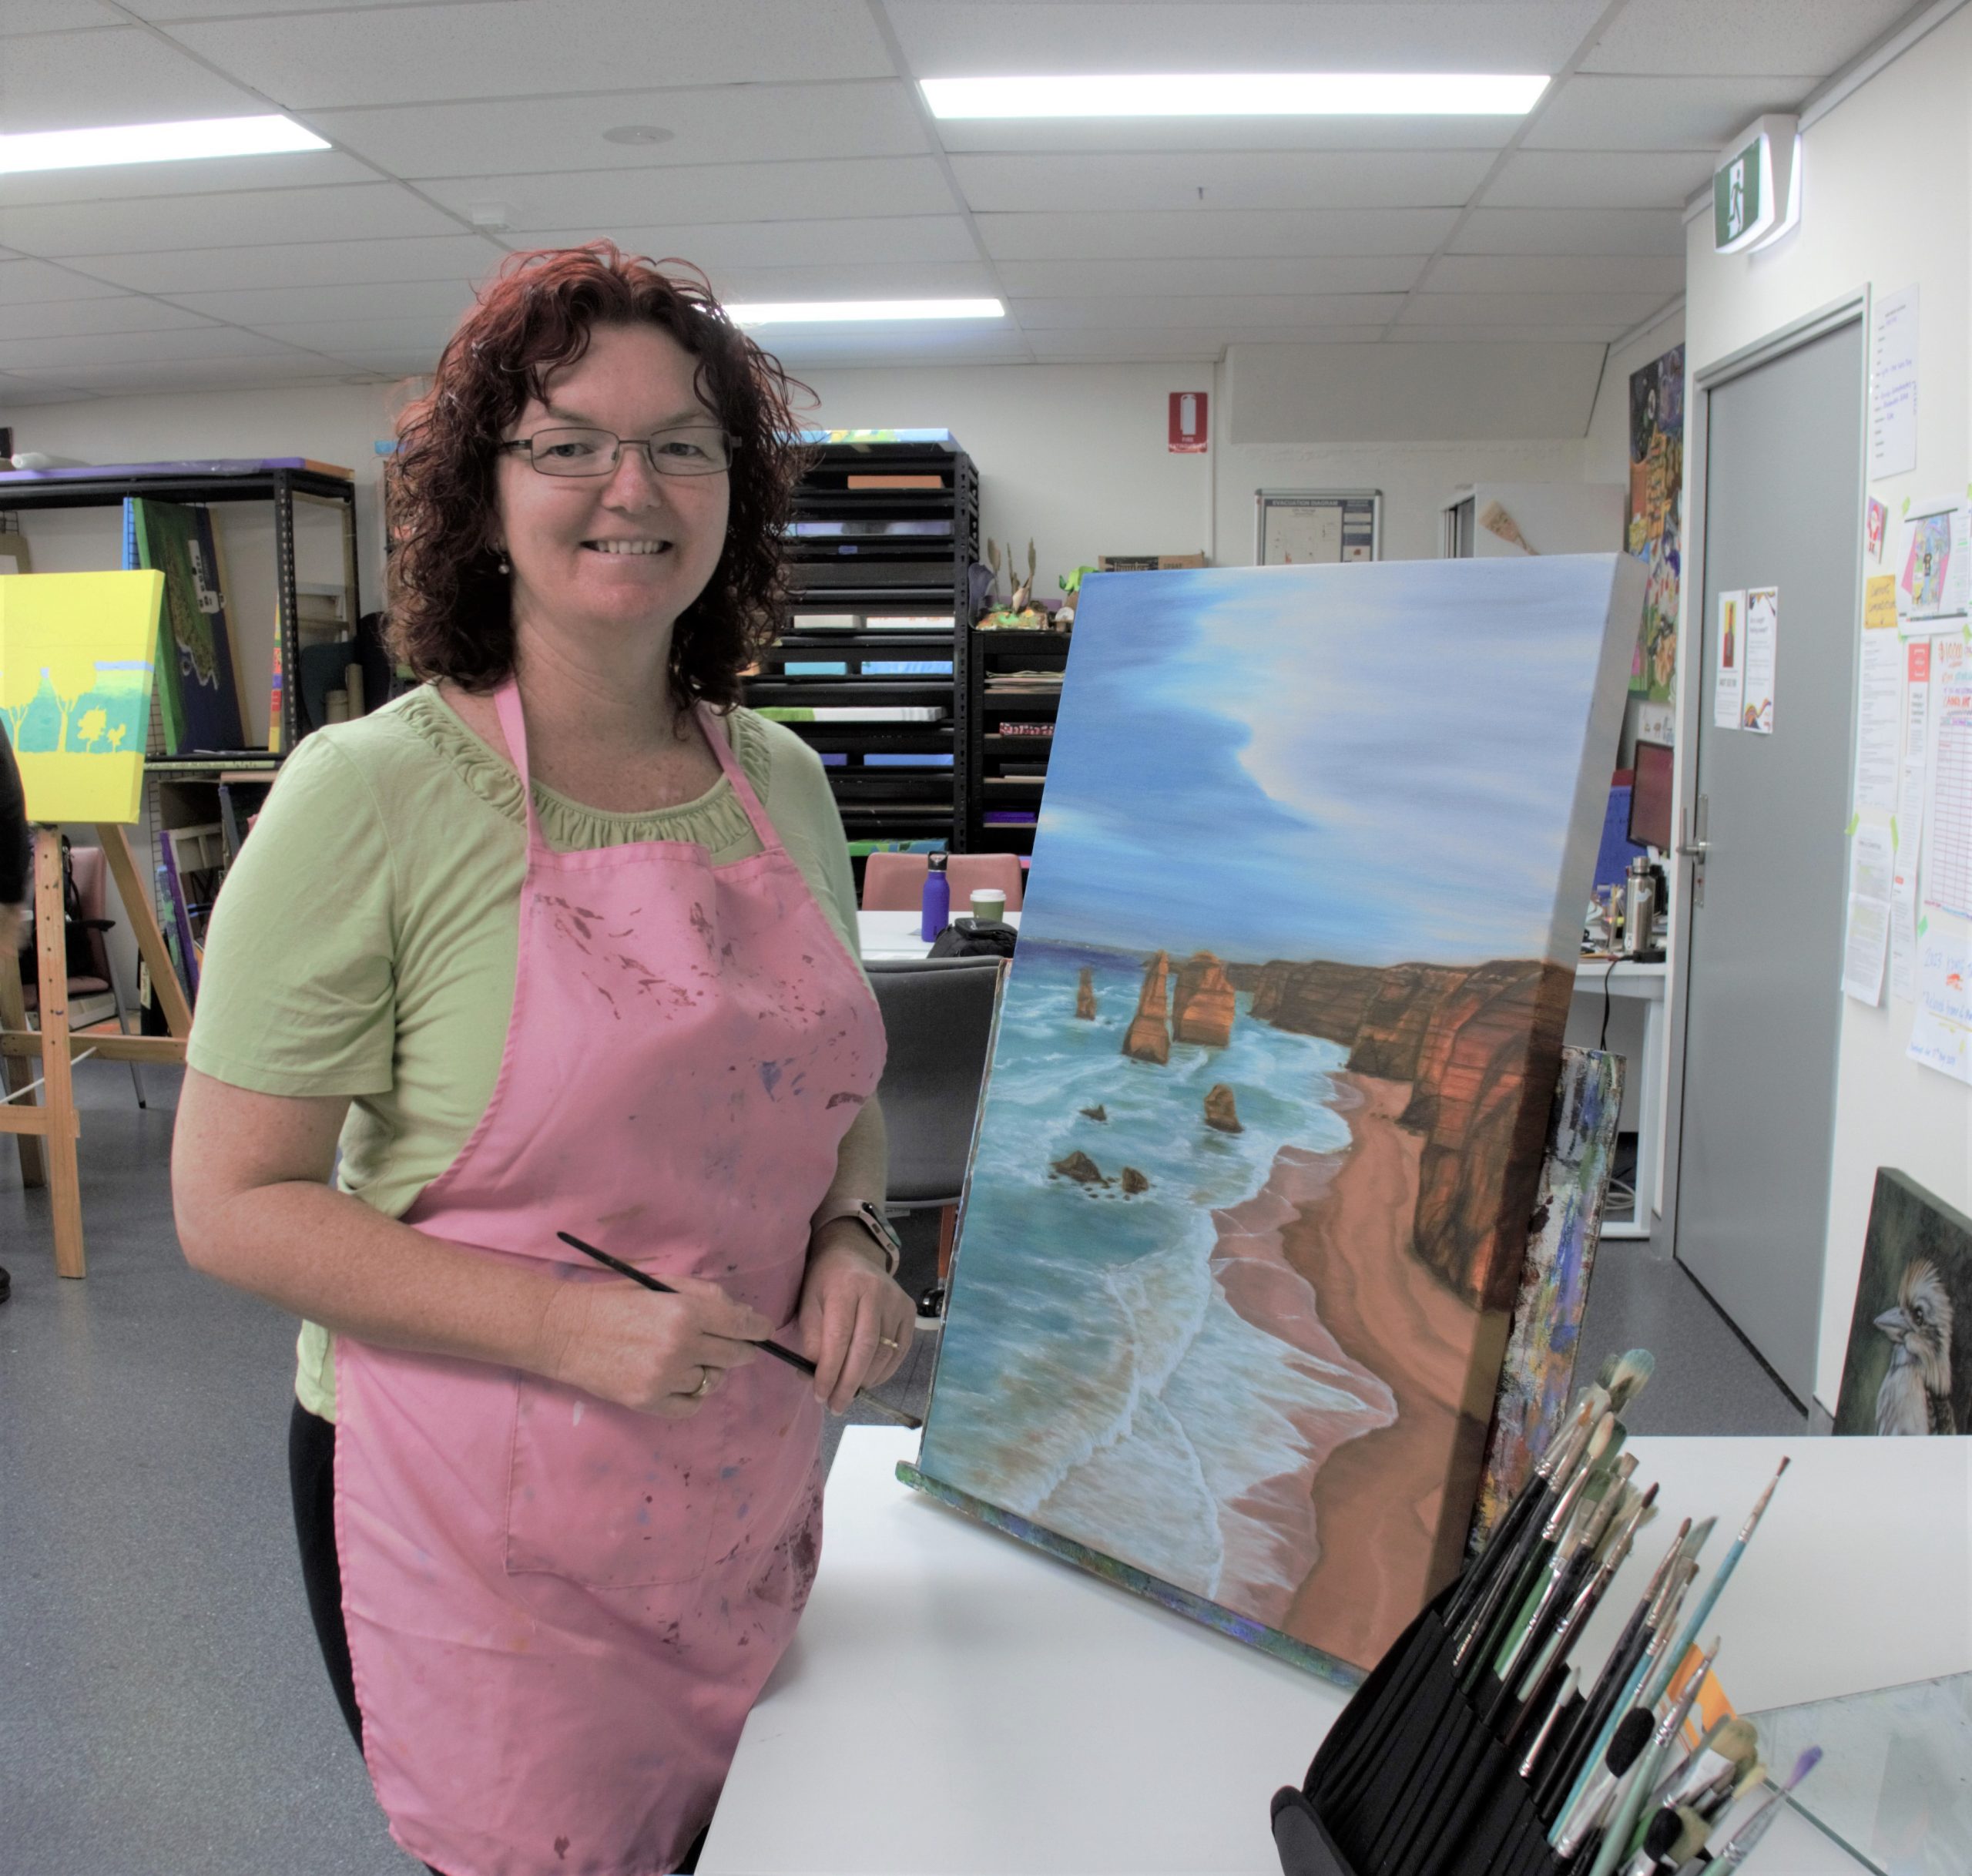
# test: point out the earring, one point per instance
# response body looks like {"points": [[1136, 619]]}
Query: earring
{"points": [[506, 565]]}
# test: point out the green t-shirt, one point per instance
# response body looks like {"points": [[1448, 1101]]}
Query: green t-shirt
{"points": [[368, 935]]}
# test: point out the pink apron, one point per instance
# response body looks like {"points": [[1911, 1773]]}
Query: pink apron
{"points": [[559, 1610]]}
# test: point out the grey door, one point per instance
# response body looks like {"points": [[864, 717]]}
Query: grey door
{"points": [[1783, 508]]}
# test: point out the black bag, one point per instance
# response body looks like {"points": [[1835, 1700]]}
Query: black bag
{"points": [[975, 937]]}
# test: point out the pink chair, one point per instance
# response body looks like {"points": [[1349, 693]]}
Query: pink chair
{"points": [[895, 882]]}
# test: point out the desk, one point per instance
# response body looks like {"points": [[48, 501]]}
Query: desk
{"points": [[956, 1704], [895, 934]]}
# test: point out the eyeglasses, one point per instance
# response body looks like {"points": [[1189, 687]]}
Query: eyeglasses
{"points": [[690, 449]]}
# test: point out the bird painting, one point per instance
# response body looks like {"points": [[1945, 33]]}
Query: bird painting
{"points": [[1916, 1394]]}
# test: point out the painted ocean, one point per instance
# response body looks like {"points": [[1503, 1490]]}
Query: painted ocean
{"points": [[1100, 1379]]}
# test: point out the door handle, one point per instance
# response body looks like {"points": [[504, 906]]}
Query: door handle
{"points": [[1693, 849]]}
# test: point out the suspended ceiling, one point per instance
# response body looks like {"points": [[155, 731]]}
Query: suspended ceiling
{"points": [[799, 163]]}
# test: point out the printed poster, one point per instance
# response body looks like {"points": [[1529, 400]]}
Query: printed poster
{"points": [[1656, 497], [1941, 1037], [1880, 715], [1728, 688], [1875, 525], [1948, 873], [1936, 579], [1763, 637]]}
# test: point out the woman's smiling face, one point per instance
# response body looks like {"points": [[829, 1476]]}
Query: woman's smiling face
{"points": [[628, 548]]}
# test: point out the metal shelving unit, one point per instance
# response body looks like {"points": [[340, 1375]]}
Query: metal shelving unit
{"points": [[865, 554], [988, 749]]}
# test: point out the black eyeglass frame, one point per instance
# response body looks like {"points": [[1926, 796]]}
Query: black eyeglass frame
{"points": [[643, 443]]}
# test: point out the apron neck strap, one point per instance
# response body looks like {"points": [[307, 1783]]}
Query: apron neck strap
{"points": [[513, 725], [735, 773]]}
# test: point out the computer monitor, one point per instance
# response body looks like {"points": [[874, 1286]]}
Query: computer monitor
{"points": [[1650, 797]]}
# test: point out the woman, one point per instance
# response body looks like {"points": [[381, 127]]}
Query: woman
{"points": [[560, 942]]}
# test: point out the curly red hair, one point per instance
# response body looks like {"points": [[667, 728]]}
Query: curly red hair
{"points": [[450, 614]]}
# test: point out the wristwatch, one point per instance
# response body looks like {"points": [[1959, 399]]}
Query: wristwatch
{"points": [[872, 1220]]}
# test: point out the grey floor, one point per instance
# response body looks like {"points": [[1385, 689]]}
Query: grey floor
{"points": [[162, 1711]]}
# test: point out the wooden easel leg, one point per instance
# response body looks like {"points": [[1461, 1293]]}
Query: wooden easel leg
{"points": [[58, 1090], [142, 913], [19, 1069]]}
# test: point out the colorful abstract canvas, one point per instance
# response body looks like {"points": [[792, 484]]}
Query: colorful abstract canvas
{"points": [[197, 696], [1265, 1119], [76, 652], [1539, 1373], [1909, 1368], [1656, 516]]}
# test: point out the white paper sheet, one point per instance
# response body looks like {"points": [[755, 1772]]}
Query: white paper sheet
{"points": [[1935, 579], [1729, 662], [1941, 1037], [1893, 385], [1762, 642], [1879, 730], [1913, 783], [1871, 866], [1948, 810], [1903, 933]]}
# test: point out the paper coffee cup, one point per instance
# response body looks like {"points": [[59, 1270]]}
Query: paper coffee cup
{"points": [[989, 905]]}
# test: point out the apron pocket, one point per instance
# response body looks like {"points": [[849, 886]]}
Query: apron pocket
{"points": [[604, 1496]]}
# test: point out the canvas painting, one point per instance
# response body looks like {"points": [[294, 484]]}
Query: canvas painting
{"points": [[76, 652], [1273, 1077], [1909, 1368], [197, 696], [1656, 516], [1537, 1375]]}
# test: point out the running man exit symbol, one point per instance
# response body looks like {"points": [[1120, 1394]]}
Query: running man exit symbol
{"points": [[1189, 425]]}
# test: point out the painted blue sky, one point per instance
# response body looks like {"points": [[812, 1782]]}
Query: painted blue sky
{"points": [[1370, 764]]}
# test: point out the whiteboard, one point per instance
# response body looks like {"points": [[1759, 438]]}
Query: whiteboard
{"points": [[1302, 527]]}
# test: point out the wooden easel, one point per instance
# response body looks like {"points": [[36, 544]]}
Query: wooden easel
{"points": [[47, 1133]]}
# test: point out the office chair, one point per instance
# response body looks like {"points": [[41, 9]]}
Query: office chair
{"points": [[938, 1017]]}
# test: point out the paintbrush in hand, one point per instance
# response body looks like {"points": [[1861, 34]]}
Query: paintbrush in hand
{"points": [[765, 1348]]}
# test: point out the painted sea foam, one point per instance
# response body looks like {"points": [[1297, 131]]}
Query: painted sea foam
{"points": [[1094, 1376]]}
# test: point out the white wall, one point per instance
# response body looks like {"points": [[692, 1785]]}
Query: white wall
{"points": [[1883, 204]]}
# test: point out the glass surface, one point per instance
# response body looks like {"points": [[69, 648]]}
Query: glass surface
{"points": [[1894, 1785]]}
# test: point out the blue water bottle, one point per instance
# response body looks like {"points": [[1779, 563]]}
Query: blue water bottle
{"points": [[937, 902]]}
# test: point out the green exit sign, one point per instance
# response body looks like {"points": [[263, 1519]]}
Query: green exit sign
{"points": [[1736, 196], [1756, 185]]}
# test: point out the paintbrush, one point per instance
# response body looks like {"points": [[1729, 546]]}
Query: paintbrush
{"points": [[1654, 1688], [1715, 1764], [1618, 1839], [1532, 1501], [1745, 1839], [779, 1353], [1570, 1682], [1626, 1746]]}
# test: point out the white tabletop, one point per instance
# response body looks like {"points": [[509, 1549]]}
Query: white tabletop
{"points": [[957, 1704], [895, 935]]}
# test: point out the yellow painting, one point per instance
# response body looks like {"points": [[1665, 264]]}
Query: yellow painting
{"points": [[75, 668]]}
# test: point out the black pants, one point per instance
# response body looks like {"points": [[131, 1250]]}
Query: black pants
{"points": [[311, 1478]]}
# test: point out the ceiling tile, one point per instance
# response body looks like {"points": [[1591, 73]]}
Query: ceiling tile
{"points": [[1284, 310], [134, 348], [941, 40], [797, 347], [48, 319], [19, 16], [1100, 136], [123, 75], [308, 169], [18, 393], [463, 257], [372, 211], [1571, 231], [1194, 279], [1703, 37], [1136, 237], [496, 48], [444, 299], [194, 375], [899, 238], [1211, 181], [1593, 112], [1477, 336], [728, 192], [728, 123], [423, 336], [22, 281], [1620, 311], [1178, 348], [1600, 179], [1490, 273], [841, 280]]}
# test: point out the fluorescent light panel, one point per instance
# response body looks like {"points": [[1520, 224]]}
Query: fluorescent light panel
{"points": [[179, 143], [1241, 94], [845, 312]]}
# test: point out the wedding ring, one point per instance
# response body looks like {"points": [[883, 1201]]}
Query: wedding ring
{"points": [[886, 1341], [704, 1387]]}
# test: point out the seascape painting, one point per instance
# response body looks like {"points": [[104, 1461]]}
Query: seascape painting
{"points": [[1265, 1119], [1909, 1367]]}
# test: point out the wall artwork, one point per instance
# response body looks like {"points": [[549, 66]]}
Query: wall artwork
{"points": [[1657, 487], [1909, 1368], [1250, 1195], [76, 652]]}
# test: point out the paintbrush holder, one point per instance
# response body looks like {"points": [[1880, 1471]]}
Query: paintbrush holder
{"points": [[1411, 1781]]}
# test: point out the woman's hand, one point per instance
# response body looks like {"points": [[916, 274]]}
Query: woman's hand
{"points": [[856, 1324], [660, 1354]]}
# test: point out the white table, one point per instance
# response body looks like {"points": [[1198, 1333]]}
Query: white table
{"points": [[895, 934], [957, 1704], [1644, 988]]}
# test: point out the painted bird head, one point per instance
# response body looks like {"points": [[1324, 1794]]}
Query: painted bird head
{"points": [[1920, 1325]]}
